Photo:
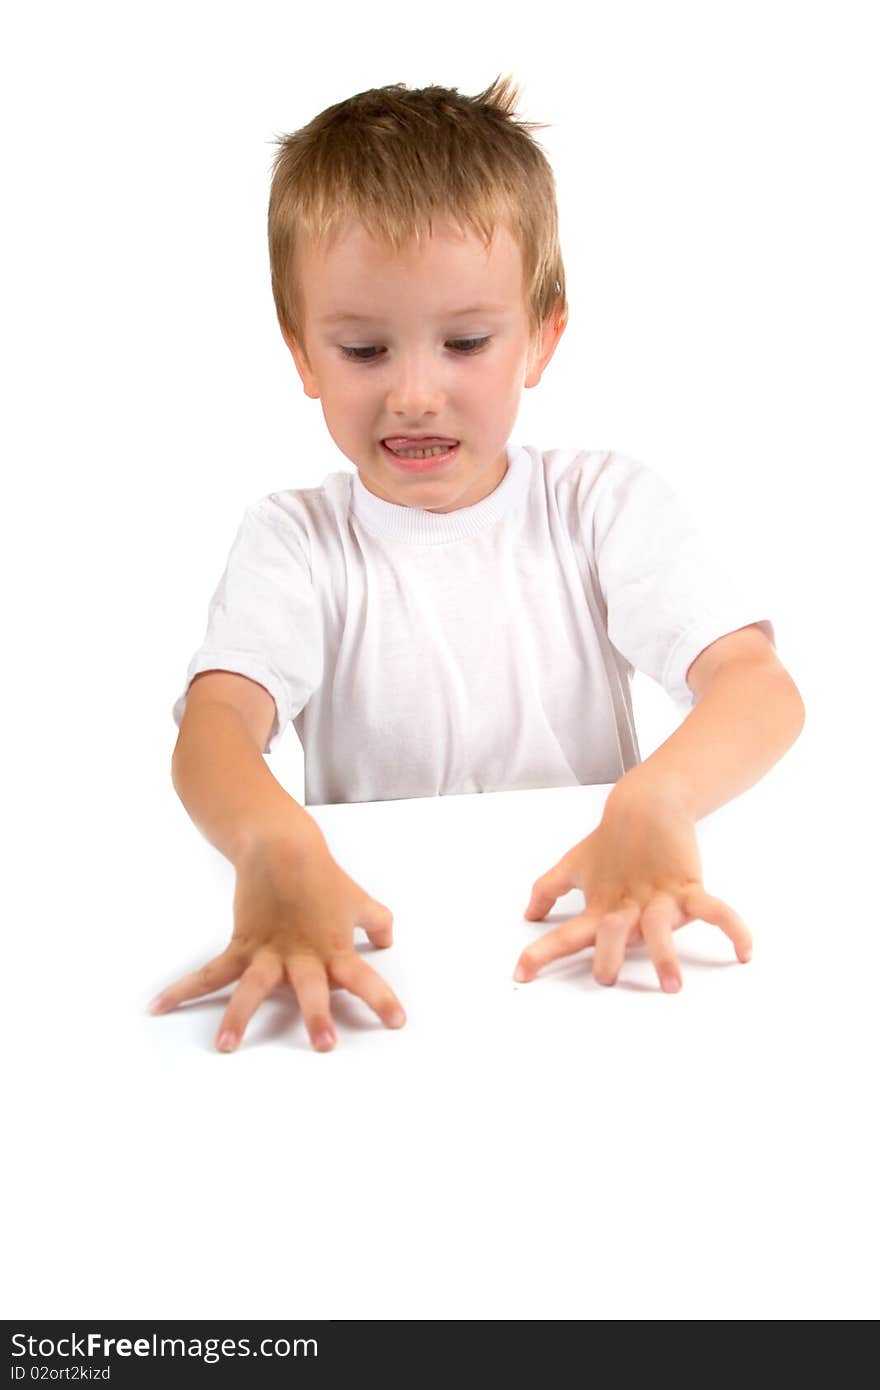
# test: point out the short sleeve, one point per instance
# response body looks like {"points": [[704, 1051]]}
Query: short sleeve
{"points": [[668, 595], [263, 619]]}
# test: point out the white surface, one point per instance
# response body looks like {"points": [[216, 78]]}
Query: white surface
{"points": [[556, 1149]]}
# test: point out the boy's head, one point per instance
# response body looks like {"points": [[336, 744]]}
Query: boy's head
{"points": [[401, 209]]}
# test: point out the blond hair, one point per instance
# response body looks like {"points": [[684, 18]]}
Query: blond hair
{"points": [[394, 159]]}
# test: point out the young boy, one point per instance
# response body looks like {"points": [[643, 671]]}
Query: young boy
{"points": [[463, 613]]}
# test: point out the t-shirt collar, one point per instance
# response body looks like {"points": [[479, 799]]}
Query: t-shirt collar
{"points": [[424, 527]]}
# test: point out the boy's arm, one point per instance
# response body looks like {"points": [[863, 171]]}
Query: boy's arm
{"points": [[220, 775], [640, 870], [295, 908], [748, 713]]}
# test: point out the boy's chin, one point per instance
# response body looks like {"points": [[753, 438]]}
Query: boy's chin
{"points": [[413, 494]]}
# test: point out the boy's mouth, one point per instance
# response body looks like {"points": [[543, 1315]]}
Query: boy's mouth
{"points": [[410, 443], [422, 458]]}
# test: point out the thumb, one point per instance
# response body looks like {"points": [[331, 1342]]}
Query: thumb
{"points": [[376, 920], [548, 888]]}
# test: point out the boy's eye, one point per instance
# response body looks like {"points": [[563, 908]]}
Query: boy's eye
{"points": [[466, 346]]}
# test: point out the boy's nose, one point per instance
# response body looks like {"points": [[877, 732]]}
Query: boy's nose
{"points": [[416, 388]]}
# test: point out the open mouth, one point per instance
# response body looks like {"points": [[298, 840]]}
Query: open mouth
{"points": [[432, 458]]}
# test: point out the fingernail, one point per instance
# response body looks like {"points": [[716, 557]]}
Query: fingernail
{"points": [[397, 1019], [671, 984], [324, 1041], [226, 1042], [520, 974], [156, 1005], [747, 953]]}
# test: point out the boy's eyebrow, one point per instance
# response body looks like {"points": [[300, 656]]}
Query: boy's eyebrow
{"points": [[343, 316]]}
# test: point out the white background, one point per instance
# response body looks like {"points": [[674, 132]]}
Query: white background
{"points": [[716, 174]]}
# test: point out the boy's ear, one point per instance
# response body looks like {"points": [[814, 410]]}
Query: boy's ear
{"points": [[543, 350], [310, 385]]}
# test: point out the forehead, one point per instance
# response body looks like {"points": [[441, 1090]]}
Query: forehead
{"points": [[449, 271]]}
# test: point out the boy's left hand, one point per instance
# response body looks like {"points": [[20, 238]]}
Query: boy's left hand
{"points": [[641, 876]]}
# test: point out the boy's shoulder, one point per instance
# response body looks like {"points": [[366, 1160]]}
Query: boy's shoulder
{"points": [[568, 464], [296, 506], [591, 464], [587, 481], [300, 516]]}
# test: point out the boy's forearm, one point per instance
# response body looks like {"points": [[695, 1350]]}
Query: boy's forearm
{"points": [[228, 791], [749, 715]]}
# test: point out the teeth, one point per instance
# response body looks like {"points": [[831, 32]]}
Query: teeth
{"points": [[422, 453]]}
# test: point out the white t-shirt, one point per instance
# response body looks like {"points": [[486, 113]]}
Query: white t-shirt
{"points": [[485, 649]]}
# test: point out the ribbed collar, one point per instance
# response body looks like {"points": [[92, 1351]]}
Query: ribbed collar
{"points": [[427, 528]]}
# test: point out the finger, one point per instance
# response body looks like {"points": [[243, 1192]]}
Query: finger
{"points": [[361, 979], [220, 971], [612, 935], [698, 903], [659, 919], [308, 979], [261, 977], [376, 920], [548, 888], [561, 941]]}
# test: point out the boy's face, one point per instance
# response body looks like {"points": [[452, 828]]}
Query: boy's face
{"points": [[420, 373]]}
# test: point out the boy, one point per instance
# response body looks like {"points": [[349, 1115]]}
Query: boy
{"points": [[462, 614]]}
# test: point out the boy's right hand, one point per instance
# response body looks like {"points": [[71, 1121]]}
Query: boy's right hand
{"points": [[294, 914]]}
